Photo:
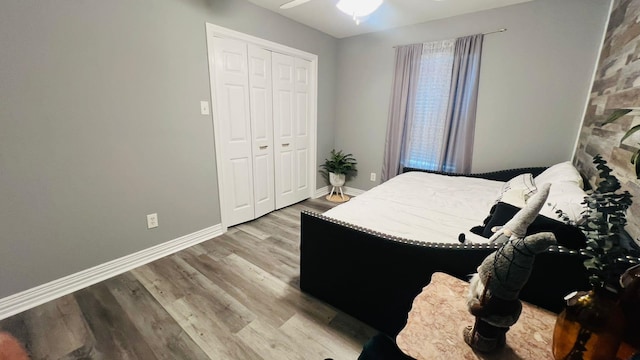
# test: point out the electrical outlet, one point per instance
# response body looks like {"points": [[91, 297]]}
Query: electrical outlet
{"points": [[372, 177], [152, 221], [204, 107]]}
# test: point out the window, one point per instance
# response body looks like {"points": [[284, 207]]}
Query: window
{"points": [[432, 113], [425, 132]]}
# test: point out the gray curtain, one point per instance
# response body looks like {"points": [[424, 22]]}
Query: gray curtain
{"points": [[457, 149], [405, 80]]}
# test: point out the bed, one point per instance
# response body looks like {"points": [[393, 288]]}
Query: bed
{"points": [[356, 260]]}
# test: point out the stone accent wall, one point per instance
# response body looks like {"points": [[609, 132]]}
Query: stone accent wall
{"points": [[616, 85]]}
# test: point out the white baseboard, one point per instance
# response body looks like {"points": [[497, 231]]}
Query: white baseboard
{"points": [[324, 191], [353, 191], [38, 295]]}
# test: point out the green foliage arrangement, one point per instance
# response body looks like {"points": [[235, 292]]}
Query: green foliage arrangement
{"points": [[339, 163], [618, 113], [603, 223]]}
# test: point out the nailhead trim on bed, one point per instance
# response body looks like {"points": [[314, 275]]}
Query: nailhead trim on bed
{"points": [[500, 175], [552, 249]]}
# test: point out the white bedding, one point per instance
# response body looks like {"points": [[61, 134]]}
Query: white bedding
{"points": [[422, 206]]}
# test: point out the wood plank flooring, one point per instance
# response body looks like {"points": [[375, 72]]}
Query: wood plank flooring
{"points": [[232, 297]]}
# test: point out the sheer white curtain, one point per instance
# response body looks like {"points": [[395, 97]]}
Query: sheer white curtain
{"points": [[433, 106], [425, 128]]}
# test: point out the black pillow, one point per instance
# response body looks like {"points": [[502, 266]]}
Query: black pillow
{"points": [[567, 235]]}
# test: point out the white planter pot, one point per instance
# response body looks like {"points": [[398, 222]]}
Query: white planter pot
{"points": [[336, 179]]}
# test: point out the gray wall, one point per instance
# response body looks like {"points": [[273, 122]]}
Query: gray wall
{"points": [[534, 83], [100, 125]]}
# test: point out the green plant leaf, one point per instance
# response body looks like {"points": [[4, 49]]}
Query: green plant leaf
{"points": [[634, 160], [592, 243], [630, 132], [591, 264], [339, 163], [615, 115], [602, 223], [634, 157]]}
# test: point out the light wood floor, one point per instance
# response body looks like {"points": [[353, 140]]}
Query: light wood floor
{"points": [[232, 297]]}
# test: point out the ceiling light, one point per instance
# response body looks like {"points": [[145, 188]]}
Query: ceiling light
{"points": [[358, 9]]}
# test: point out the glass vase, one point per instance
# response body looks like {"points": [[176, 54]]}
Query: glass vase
{"points": [[590, 327], [630, 304]]}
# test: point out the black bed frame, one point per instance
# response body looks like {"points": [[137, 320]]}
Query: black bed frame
{"points": [[375, 277]]}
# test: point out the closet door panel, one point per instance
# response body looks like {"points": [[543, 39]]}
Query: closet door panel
{"points": [[284, 124], [261, 95], [286, 170], [233, 123], [302, 88], [302, 177], [263, 184], [240, 172]]}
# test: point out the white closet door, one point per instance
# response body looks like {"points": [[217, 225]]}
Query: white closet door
{"points": [[301, 128], [284, 129], [233, 118], [260, 89]]}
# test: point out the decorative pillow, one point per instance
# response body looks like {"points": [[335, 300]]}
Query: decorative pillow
{"points": [[564, 171], [515, 197], [520, 186], [566, 235], [567, 197]]}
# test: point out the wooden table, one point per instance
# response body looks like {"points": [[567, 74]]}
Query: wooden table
{"points": [[439, 314]]}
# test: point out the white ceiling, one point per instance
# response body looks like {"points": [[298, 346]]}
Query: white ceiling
{"points": [[324, 16]]}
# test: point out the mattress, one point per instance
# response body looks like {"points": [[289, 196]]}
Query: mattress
{"points": [[422, 206]]}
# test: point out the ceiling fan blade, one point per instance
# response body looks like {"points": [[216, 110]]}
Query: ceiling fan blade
{"points": [[293, 3]]}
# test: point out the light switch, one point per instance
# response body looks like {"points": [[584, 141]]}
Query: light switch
{"points": [[204, 107]]}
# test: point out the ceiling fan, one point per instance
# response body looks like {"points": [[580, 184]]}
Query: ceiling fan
{"points": [[293, 3], [358, 9]]}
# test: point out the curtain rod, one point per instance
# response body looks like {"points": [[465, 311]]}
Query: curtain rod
{"points": [[487, 33]]}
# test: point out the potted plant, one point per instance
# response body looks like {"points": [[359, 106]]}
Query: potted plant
{"points": [[338, 166], [603, 223], [590, 327], [615, 115]]}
